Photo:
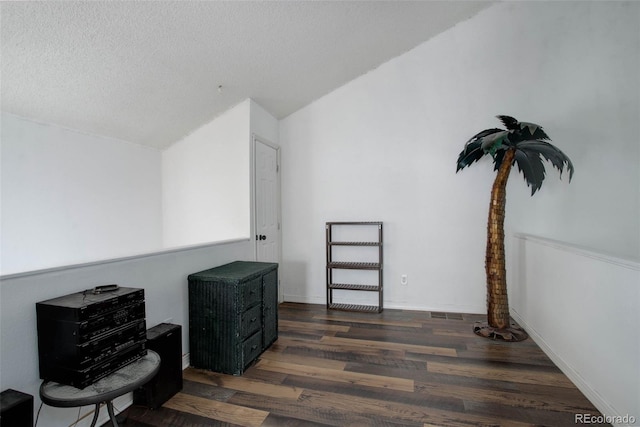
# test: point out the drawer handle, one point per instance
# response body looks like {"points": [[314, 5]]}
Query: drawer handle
{"points": [[253, 347], [253, 320]]}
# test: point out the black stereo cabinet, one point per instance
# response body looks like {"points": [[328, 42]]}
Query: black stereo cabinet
{"points": [[166, 340], [85, 336]]}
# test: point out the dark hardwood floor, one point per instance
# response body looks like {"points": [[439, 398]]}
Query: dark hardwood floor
{"points": [[396, 368]]}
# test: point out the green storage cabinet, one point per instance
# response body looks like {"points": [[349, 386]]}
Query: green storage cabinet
{"points": [[233, 315]]}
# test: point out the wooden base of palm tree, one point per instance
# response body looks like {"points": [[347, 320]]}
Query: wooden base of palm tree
{"points": [[513, 333]]}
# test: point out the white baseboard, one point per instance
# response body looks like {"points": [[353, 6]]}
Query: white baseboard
{"points": [[392, 305], [185, 361], [304, 299]]}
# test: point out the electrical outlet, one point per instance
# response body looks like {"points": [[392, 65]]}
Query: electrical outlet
{"points": [[404, 280]]}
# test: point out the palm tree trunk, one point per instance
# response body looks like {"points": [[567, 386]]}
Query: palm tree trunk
{"points": [[497, 300], [498, 325]]}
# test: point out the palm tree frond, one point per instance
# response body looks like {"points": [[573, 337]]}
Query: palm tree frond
{"points": [[529, 131], [551, 153], [482, 134], [531, 166], [472, 153], [509, 122], [493, 142], [529, 141], [497, 159]]}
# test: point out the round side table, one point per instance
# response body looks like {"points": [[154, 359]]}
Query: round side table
{"points": [[124, 380]]}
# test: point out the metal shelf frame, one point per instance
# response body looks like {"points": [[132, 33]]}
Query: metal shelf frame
{"points": [[348, 265]]}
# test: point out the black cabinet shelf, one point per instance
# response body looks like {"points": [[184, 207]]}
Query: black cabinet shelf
{"points": [[334, 264]]}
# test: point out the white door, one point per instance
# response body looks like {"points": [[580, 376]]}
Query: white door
{"points": [[267, 202]]}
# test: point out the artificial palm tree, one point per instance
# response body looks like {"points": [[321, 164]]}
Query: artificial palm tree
{"points": [[524, 144]]}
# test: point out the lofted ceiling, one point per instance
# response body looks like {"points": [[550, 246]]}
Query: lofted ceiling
{"points": [[150, 72]]}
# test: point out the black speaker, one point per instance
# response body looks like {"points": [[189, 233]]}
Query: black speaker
{"points": [[166, 340], [16, 409]]}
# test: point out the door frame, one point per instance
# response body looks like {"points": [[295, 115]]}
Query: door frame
{"points": [[255, 139]]}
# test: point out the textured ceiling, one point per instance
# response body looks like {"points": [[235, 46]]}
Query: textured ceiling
{"points": [[148, 72]]}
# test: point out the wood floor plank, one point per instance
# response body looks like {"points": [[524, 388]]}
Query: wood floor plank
{"points": [[275, 420], [370, 321], [443, 402], [515, 398], [241, 384], [531, 356], [297, 325], [205, 389], [450, 332], [383, 410], [304, 360], [344, 354], [419, 337], [424, 349], [305, 412], [265, 376], [501, 374], [139, 416], [570, 397], [524, 415], [337, 375], [343, 349], [238, 415]]}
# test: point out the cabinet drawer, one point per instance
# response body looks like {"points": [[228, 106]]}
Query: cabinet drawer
{"points": [[251, 348], [251, 321], [252, 293]]}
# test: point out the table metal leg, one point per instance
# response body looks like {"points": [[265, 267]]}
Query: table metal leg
{"points": [[111, 414], [95, 415]]}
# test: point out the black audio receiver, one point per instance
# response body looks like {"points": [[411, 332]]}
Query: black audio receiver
{"points": [[85, 336], [87, 305]]}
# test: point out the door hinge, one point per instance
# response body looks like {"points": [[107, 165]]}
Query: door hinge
{"points": [[277, 168]]}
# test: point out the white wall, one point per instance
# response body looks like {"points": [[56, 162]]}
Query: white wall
{"points": [[384, 147], [263, 123], [70, 197], [588, 320], [162, 275], [206, 182], [589, 91], [207, 178]]}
